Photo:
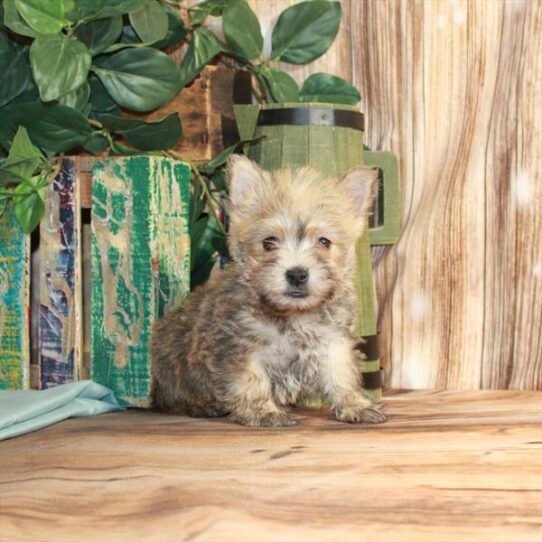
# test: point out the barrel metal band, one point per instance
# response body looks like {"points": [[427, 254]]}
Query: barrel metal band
{"points": [[307, 116], [369, 347], [373, 380]]}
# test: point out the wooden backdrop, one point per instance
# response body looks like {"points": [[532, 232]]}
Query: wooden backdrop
{"points": [[454, 88]]}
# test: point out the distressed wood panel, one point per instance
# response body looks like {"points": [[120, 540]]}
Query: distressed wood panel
{"points": [[60, 289], [453, 89], [140, 263], [446, 467], [14, 303]]}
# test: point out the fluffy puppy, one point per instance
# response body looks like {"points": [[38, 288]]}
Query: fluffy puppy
{"points": [[279, 322]]}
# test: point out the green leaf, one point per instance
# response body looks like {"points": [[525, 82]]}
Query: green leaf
{"points": [[15, 22], [305, 31], [14, 70], [201, 11], [139, 79], [146, 136], [99, 35], [96, 143], [8, 128], [322, 87], [118, 149], [200, 275], [3, 204], [57, 128], [126, 45], [242, 30], [100, 100], [202, 49], [201, 246], [44, 16], [90, 10], [59, 65], [219, 180], [129, 35], [78, 99], [23, 158], [150, 21], [197, 201], [221, 158], [176, 32], [281, 85], [28, 205]]}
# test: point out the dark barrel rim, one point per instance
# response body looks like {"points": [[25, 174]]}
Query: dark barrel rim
{"points": [[312, 116]]}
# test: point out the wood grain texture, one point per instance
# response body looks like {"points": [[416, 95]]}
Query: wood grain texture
{"points": [[445, 467], [453, 89], [140, 265], [60, 289], [14, 303]]}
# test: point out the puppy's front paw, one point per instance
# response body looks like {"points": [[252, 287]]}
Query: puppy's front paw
{"points": [[268, 419], [355, 414]]}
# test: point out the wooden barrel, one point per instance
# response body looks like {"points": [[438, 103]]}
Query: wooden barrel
{"points": [[328, 137]]}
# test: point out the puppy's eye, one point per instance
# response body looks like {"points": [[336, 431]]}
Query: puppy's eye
{"points": [[270, 243], [324, 241]]}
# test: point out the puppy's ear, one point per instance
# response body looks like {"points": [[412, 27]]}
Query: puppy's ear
{"points": [[361, 184], [242, 175]]}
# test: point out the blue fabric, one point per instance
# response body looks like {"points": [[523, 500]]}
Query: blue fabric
{"points": [[29, 410]]}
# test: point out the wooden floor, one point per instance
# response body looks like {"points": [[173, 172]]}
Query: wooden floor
{"points": [[447, 466]]}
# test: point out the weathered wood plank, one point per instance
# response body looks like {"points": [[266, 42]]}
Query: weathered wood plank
{"points": [[450, 87], [140, 261], [60, 290], [14, 303], [445, 467]]}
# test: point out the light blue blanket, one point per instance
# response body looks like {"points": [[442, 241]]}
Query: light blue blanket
{"points": [[25, 411]]}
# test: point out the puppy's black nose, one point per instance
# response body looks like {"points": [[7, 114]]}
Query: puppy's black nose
{"points": [[297, 276]]}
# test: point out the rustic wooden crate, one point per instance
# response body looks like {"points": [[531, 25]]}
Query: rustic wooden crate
{"points": [[141, 265]]}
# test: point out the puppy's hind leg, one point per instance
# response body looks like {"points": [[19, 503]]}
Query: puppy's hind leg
{"points": [[251, 400]]}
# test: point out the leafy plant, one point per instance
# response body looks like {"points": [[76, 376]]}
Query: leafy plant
{"points": [[71, 69], [68, 67], [303, 32], [23, 177]]}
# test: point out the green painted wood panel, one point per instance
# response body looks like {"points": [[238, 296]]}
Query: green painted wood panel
{"points": [[14, 304], [140, 265]]}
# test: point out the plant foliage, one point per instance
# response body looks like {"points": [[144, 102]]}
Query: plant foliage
{"points": [[71, 69]]}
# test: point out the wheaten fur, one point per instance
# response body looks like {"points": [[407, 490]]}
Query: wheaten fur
{"points": [[279, 322]]}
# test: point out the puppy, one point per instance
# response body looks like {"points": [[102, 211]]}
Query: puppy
{"points": [[279, 322]]}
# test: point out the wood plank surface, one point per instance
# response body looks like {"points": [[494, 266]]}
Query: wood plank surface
{"points": [[447, 466], [14, 304], [140, 265], [453, 89], [60, 278]]}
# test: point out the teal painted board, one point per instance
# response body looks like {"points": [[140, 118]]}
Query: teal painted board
{"points": [[140, 265], [14, 304]]}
